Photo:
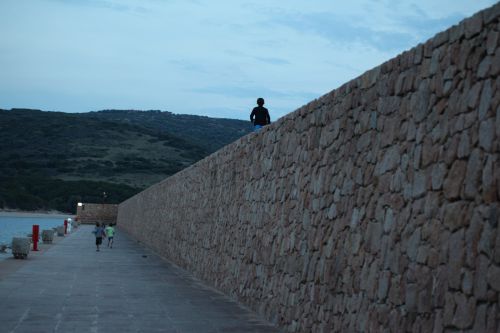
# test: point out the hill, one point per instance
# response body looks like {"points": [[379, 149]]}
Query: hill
{"points": [[51, 160]]}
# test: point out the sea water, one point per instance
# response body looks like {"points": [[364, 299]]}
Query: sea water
{"points": [[20, 225]]}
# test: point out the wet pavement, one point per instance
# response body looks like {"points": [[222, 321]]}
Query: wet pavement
{"points": [[72, 288]]}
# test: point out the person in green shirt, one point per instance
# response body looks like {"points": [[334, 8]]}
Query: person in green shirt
{"points": [[110, 232]]}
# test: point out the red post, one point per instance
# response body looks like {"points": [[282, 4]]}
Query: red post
{"points": [[65, 227], [36, 229]]}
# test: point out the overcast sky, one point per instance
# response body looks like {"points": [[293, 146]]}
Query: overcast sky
{"points": [[205, 57]]}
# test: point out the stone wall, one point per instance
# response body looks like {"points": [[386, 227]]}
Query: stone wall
{"points": [[373, 207], [90, 213]]}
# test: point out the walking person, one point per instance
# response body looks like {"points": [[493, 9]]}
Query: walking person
{"points": [[260, 115], [99, 233], [110, 232]]}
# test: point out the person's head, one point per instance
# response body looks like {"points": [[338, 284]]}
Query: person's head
{"points": [[97, 224], [260, 101]]}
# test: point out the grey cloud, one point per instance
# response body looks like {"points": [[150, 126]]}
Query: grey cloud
{"points": [[339, 29], [99, 4], [240, 92], [268, 60], [273, 61], [245, 92]]}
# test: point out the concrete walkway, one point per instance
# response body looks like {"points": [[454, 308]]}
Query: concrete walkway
{"points": [[73, 288]]}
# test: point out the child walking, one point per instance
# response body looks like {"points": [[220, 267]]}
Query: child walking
{"points": [[99, 233], [110, 232]]}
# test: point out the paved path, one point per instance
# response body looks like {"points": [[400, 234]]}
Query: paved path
{"points": [[73, 288]]}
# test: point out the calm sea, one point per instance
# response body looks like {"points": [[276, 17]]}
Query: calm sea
{"points": [[19, 225]]}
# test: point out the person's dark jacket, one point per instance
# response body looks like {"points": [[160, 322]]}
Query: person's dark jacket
{"points": [[260, 116]]}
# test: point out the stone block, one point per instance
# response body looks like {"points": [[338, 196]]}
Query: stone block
{"points": [[419, 102], [480, 318], [47, 236], [434, 66], [388, 220], [464, 145], [411, 298], [374, 234], [21, 247], [473, 94], [389, 161], [495, 63], [492, 13], [492, 324], [441, 38], [456, 215], [465, 311], [453, 183], [457, 32], [489, 184], [413, 244], [419, 186], [497, 122], [60, 231], [424, 300], [384, 285], [467, 282], [485, 100], [449, 309], [422, 253], [437, 176], [472, 177], [492, 42], [483, 70], [487, 134], [456, 259], [494, 277], [485, 244], [480, 278]]}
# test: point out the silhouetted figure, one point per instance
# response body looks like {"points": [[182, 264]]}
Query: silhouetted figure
{"points": [[260, 116], [99, 233]]}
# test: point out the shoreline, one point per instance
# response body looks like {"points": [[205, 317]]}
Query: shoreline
{"points": [[21, 213]]}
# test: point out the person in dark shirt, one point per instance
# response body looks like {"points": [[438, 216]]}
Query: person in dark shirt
{"points": [[260, 116], [99, 233]]}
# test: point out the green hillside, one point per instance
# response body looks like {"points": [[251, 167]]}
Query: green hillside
{"points": [[51, 160]]}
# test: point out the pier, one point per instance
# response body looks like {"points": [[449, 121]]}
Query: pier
{"points": [[70, 287]]}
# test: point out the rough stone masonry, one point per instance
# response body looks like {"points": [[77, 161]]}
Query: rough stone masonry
{"points": [[372, 208]]}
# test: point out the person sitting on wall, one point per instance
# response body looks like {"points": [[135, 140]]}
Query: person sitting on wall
{"points": [[260, 115]]}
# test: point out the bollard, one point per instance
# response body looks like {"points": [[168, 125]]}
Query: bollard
{"points": [[20, 247], [34, 237], [47, 236]]}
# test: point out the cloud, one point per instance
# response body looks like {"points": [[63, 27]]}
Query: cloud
{"points": [[273, 61], [96, 4], [384, 25], [189, 66], [252, 92], [194, 56], [345, 30], [239, 92]]}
